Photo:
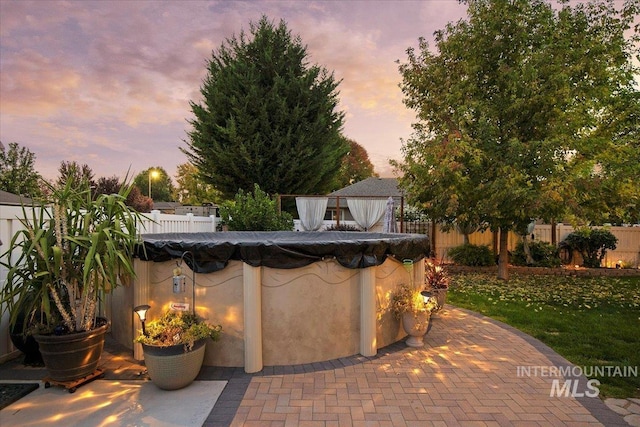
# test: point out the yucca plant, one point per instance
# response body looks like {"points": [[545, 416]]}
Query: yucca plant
{"points": [[73, 248]]}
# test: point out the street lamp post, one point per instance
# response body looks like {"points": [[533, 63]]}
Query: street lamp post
{"points": [[152, 174]]}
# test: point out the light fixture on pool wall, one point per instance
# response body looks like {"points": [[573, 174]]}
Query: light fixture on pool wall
{"points": [[180, 280]]}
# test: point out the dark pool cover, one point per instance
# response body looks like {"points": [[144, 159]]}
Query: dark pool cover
{"points": [[282, 249]]}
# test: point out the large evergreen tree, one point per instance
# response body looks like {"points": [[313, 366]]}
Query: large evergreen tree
{"points": [[519, 114], [267, 117]]}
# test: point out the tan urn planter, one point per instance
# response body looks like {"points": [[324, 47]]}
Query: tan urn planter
{"points": [[416, 326], [176, 366]]}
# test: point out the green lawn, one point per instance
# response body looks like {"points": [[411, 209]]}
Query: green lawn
{"points": [[589, 321]]}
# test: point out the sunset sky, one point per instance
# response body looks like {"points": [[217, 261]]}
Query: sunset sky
{"points": [[108, 83]]}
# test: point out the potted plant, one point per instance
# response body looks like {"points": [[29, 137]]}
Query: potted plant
{"points": [[174, 347], [436, 281], [73, 249], [413, 307]]}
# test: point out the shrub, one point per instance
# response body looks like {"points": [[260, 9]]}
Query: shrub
{"points": [[592, 244], [544, 255], [254, 212], [472, 255], [342, 227]]}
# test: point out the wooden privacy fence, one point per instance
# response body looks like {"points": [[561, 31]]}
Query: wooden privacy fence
{"points": [[627, 250], [628, 247]]}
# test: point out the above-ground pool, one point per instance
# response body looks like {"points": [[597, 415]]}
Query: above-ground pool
{"points": [[282, 298]]}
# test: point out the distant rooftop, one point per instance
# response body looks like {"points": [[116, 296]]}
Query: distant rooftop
{"points": [[370, 187], [382, 187], [11, 199]]}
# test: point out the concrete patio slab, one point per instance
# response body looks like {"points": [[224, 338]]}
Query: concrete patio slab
{"points": [[115, 403]]}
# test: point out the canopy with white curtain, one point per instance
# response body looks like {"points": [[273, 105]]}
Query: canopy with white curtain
{"points": [[366, 212], [311, 211]]}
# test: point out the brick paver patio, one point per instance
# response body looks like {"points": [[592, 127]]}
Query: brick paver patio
{"points": [[465, 375]]}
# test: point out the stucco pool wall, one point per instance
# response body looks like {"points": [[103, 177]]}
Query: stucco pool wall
{"points": [[309, 314], [316, 307]]}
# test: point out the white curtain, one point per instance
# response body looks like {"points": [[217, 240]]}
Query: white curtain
{"points": [[366, 212], [311, 211], [390, 225]]}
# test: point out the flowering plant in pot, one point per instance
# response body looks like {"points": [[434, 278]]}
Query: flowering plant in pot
{"points": [[74, 247], [436, 280], [174, 347], [413, 306]]}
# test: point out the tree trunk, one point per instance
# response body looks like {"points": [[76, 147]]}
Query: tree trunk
{"points": [[494, 243], [503, 259], [433, 253], [527, 251]]}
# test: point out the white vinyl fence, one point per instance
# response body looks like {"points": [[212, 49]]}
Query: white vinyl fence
{"points": [[157, 222]]}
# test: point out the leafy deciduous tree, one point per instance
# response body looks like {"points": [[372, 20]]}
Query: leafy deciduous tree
{"points": [[134, 199], [138, 201], [105, 185], [267, 117], [17, 171], [162, 189], [191, 189], [356, 165], [518, 113]]}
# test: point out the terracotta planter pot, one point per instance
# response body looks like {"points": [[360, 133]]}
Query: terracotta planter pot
{"points": [[416, 327], [73, 356], [173, 368]]}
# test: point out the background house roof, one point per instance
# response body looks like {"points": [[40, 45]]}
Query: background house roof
{"points": [[373, 186], [11, 199], [166, 207], [370, 187]]}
